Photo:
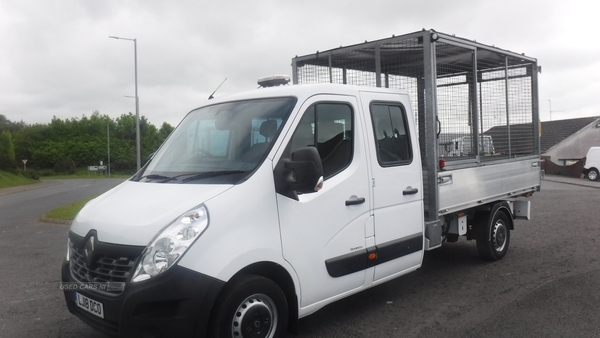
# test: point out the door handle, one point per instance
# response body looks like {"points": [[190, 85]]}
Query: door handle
{"points": [[410, 191], [360, 200]]}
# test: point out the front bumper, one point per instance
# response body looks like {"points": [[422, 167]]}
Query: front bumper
{"points": [[175, 304]]}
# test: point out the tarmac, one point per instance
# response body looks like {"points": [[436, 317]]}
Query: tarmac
{"points": [[563, 307], [27, 187], [48, 183], [583, 182], [552, 178]]}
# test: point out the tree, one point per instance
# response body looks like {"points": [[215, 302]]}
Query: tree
{"points": [[165, 130], [7, 151], [80, 141]]}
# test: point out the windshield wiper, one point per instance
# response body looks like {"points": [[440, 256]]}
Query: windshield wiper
{"points": [[209, 174], [153, 177], [196, 176], [163, 178]]}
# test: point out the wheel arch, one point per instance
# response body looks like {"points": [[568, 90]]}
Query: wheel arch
{"points": [[485, 215], [282, 278]]}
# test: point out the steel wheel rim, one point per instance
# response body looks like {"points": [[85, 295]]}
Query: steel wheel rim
{"points": [[499, 235], [255, 317], [592, 175]]}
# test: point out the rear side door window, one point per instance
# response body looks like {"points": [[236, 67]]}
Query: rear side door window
{"points": [[391, 134]]}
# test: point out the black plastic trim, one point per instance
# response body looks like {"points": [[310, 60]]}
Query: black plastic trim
{"points": [[359, 260], [347, 264], [399, 248], [177, 303]]}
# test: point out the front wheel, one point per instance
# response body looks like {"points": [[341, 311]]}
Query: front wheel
{"points": [[252, 306], [493, 240], [592, 174]]}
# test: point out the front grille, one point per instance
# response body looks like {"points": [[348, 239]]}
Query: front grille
{"points": [[105, 269]]}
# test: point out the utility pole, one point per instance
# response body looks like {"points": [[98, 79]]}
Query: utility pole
{"points": [[137, 105], [108, 146]]}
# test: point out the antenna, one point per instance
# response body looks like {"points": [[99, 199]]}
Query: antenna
{"points": [[213, 93]]}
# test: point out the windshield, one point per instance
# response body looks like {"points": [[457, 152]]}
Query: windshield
{"points": [[222, 143]]}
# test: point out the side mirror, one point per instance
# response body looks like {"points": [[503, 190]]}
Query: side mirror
{"points": [[303, 173], [308, 170]]}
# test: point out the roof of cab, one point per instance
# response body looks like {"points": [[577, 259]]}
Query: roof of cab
{"points": [[301, 91]]}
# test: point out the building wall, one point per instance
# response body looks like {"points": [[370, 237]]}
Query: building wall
{"points": [[551, 168], [576, 146]]}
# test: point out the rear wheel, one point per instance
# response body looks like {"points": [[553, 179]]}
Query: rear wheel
{"points": [[592, 174], [253, 306], [493, 239]]}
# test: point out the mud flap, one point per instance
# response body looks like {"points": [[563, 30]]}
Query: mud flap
{"points": [[433, 235]]}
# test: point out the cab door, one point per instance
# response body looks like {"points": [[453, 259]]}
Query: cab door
{"points": [[397, 184], [323, 233]]}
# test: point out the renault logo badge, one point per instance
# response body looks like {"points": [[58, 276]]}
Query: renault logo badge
{"points": [[88, 251]]}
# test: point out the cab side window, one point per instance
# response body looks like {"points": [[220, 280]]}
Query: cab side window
{"points": [[391, 134], [328, 127]]}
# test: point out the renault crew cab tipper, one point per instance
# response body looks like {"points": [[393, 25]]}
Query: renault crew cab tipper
{"points": [[265, 206]]}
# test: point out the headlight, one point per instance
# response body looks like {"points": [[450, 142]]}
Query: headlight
{"points": [[171, 243]]}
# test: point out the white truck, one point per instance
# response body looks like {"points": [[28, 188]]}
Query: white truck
{"points": [[265, 206], [463, 146]]}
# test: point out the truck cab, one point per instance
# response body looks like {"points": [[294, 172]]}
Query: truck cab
{"points": [[269, 204]]}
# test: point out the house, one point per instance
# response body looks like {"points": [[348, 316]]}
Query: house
{"points": [[565, 142], [521, 139]]}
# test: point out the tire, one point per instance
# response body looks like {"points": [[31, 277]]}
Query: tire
{"points": [[493, 240], [250, 307], [593, 174]]}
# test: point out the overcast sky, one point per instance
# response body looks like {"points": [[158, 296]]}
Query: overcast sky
{"points": [[56, 58]]}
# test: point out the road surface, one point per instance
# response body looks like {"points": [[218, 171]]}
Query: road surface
{"points": [[548, 284]]}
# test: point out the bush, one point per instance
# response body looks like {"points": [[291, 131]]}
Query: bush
{"points": [[46, 172], [65, 167], [31, 173]]}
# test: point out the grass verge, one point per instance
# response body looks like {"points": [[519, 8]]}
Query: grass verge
{"points": [[69, 211], [8, 180]]}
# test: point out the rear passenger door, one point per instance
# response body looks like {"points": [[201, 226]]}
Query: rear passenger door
{"points": [[396, 183]]}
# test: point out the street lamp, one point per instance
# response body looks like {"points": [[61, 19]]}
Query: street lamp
{"points": [[137, 105]]}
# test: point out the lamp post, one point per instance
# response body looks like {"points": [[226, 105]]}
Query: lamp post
{"points": [[108, 147], [137, 106]]}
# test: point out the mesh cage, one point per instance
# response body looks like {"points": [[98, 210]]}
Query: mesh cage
{"points": [[473, 103], [506, 105], [454, 82], [400, 63], [484, 96], [399, 60]]}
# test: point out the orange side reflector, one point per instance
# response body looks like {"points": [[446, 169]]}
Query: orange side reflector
{"points": [[372, 256]]}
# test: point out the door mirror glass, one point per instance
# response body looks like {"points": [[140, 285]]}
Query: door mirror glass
{"points": [[302, 173], [307, 170]]}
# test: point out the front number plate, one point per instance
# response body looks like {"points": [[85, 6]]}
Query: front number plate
{"points": [[89, 305]]}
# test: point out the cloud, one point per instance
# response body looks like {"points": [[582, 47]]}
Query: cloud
{"points": [[57, 58]]}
